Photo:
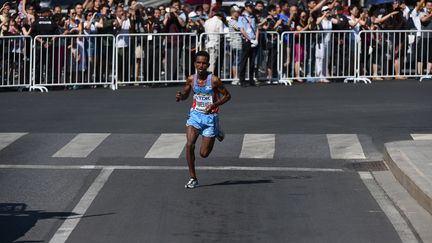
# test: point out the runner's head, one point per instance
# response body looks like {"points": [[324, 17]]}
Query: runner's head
{"points": [[201, 61]]}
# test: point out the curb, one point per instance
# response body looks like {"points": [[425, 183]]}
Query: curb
{"points": [[408, 176]]}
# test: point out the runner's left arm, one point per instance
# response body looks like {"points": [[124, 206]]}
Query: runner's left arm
{"points": [[226, 96]]}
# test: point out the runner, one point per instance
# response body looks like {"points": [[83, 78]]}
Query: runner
{"points": [[209, 94]]}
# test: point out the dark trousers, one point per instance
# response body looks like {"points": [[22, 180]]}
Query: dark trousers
{"points": [[248, 54]]}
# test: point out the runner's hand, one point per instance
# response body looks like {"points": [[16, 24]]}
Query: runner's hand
{"points": [[178, 96], [209, 109]]}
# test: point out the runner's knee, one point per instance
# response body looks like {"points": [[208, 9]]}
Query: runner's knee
{"points": [[204, 154]]}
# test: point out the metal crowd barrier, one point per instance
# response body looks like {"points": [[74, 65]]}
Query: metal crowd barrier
{"points": [[15, 57], [397, 54], [154, 58], [225, 51], [317, 56], [73, 60]]}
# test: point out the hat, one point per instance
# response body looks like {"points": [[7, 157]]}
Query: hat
{"points": [[149, 10], [192, 14], [339, 8], [235, 8], [249, 4], [325, 8]]}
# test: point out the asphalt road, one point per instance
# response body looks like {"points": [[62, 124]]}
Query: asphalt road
{"points": [[302, 193]]}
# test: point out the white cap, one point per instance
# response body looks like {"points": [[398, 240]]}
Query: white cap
{"points": [[192, 14], [325, 8]]}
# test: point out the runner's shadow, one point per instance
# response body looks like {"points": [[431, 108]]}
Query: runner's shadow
{"points": [[239, 182], [16, 220]]}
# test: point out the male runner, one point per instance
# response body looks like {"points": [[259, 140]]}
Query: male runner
{"points": [[208, 94]]}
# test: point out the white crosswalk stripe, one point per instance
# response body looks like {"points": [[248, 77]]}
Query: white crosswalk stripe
{"points": [[168, 145], [81, 145], [424, 136], [8, 138], [172, 146], [258, 146], [345, 146]]}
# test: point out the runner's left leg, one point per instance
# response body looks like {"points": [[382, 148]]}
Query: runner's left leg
{"points": [[206, 146], [191, 135]]}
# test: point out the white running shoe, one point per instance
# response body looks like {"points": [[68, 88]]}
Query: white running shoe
{"points": [[192, 183]]}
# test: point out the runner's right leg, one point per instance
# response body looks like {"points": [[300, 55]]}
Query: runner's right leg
{"points": [[191, 135]]}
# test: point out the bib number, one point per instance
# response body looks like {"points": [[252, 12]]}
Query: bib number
{"points": [[202, 101]]}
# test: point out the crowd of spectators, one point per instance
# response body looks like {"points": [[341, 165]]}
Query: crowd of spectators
{"points": [[27, 18]]}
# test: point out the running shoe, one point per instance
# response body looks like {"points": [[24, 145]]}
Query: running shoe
{"points": [[220, 136], [192, 183]]}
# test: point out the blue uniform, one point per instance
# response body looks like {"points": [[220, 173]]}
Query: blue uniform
{"points": [[207, 124]]}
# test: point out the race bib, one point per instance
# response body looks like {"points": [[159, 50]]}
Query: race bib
{"points": [[202, 101]]}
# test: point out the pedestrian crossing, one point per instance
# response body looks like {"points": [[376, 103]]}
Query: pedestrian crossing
{"points": [[172, 146]]}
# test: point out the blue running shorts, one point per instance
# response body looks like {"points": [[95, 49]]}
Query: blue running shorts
{"points": [[207, 124]]}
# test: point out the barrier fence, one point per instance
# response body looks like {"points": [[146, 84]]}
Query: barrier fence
{"points": [[318, 55], [91, 60], [155, 58], [73, 60], [394, 54], [16, 56], [225, 51]]}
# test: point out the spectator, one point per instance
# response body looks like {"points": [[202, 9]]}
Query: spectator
{"points": [[44, 26], [249, 30], [195, 26], [162, 11], [302, 24], [174, 22], [426, 21], [235, 41], [212, 27], [151, 46], [322, 48], [273, 23], [90, 29], [104, 25], [4, 19], [57, 9], [122, 26]]}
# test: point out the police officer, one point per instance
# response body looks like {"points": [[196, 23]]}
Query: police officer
{"points": [[44, 25]]}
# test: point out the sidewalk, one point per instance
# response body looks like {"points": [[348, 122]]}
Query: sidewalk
{"points": [[411, 164]]}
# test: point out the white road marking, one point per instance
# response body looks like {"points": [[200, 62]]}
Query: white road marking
{"points": [[149, 167], [418, 136], [81, 145], [345, 146], [63, 233], [168, 145], [258, 146], [400, 225], [8, 138]]}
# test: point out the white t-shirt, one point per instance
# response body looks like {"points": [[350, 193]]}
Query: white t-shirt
{"points": [[213, 25], [123, 41]]}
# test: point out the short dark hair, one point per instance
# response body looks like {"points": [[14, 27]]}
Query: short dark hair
{"points": [[271, 7], [175, 1], [259, 2], [202, 54]]}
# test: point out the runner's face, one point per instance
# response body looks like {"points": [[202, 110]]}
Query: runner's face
{"points": [[201, 64]]}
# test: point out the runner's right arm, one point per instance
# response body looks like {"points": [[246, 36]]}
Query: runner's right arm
{"points": [[184, 94]]}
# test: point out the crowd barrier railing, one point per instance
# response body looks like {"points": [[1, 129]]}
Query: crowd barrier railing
{"points": [[318, 56], [154, 58], [73, 60], [225, 49], [15, 61], [80, 60], [398, 54]]}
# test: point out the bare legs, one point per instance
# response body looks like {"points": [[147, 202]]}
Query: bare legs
{"points": [[205, 150]]}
